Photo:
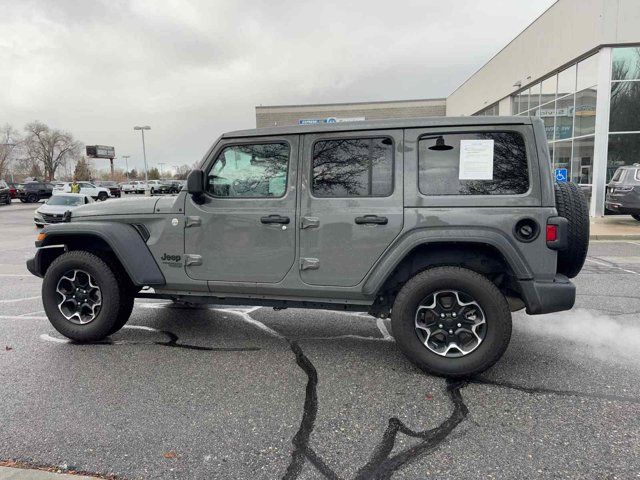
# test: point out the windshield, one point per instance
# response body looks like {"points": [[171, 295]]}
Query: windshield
{"points": [[618, 175], [65, 200]]}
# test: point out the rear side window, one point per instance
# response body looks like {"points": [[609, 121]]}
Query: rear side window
{"points": [[353, 167], [473, 163]]}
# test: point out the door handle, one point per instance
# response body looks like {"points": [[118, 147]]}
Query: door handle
{"points": [[275, 219], [372, 220]]}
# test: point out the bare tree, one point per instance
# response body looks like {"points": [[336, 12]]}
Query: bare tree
{"points": [[50, 147], [10, 141]]}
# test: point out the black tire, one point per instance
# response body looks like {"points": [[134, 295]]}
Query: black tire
{"points": [[23, 200], [485, 293], [104, 277], [102, 196], [572, 205], [126, 307], [636, 216], [32, 198]]}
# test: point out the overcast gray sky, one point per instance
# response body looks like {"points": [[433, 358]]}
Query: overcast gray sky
{"points": [[192, 69]]}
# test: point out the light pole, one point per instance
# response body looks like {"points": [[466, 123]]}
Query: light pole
{"points": [[161, 165], [126, 162], [144, 153]]}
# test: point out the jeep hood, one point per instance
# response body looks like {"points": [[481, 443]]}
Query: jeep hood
{"points": [[128, 206]]}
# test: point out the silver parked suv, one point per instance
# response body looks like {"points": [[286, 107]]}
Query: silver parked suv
{"points": [[623, 191], [446, 225]]}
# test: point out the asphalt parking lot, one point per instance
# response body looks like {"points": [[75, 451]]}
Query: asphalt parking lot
{"points": [[252, 393]]}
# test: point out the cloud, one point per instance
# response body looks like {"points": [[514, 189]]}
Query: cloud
{"points": [[193, 69]]}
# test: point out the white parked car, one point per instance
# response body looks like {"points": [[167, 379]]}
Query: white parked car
{"points": [[127, 187], [54, 208], [95, 192], [139, 186]]}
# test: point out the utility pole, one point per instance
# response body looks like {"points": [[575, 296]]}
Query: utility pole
{"points": [[144, 153], [161, 165], [126, 162]]}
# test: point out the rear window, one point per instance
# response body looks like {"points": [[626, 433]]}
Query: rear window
{"points": [[353, 167], [473, 163], [618, 175]]}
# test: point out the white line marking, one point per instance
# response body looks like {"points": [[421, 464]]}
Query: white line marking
{"points": [[18, 275], [612, 266], [634, 243], [19, 299], [383, 330], [31, 313], [249, 319], [48, 338]]}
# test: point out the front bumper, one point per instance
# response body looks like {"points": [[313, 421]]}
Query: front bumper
{"points": [[548, 297]]}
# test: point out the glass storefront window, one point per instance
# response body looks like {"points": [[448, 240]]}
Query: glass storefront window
{"points": [[562, 155], [534, 96], [625, 63], [548, 113], [548, 89], [585, 111], [624, 115], [564, 117], [524, 101], [582, 161], [587, 72], [624, 149], [567, 81]]}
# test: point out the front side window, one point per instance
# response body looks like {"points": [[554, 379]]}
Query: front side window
{"points": [[353, 167], [473, 163], [258, 170]]}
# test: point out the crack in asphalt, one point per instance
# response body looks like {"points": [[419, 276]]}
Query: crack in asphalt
{"points": [[172, 342], [550, 391], [382, 464]]}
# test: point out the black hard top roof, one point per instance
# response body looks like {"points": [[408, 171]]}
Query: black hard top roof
{"points": [[380, 125]]}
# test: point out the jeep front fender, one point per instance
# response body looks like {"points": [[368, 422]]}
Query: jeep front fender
{"points": [[123, 239]]}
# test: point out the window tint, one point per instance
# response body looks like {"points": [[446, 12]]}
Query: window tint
{"points": [[439, 165], [250, 171], [354, 167], [618, 175]]}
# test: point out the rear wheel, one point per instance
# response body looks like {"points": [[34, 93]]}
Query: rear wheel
{"points": [[451, 321], [102, 196], [32, 198], [81, 296]]}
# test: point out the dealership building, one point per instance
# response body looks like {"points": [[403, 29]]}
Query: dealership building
{"points": [[577, 67]]}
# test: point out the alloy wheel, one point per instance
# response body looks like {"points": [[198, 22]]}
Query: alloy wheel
{"points": [[450, 323], [80, 297]]}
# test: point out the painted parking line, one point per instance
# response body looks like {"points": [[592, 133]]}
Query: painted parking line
{"points": [[611, 265], [15, 300]]}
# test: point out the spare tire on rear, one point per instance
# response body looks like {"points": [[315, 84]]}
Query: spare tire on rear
{"points": [[572, 205]]}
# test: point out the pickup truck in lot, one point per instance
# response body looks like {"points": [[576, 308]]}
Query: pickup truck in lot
{"points": [[445, 225]]}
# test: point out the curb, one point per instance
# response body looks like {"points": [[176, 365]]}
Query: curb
{"points": [[614, 237], [10, 473]]}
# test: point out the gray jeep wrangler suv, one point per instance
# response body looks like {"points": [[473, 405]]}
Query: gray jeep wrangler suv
{"points": [[446, 225]]}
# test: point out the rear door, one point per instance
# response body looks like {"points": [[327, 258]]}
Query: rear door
{"points": [[351, 204]]}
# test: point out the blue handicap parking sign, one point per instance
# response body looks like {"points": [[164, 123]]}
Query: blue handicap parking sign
{"points": [[561, 175]]}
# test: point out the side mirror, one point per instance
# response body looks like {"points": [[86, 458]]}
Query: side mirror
{"points": [[195, 185]]}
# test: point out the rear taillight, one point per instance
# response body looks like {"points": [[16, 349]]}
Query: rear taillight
{"points": [[552, 233], [556, 233]]}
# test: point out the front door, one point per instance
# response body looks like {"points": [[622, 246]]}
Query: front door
{"points": [[244, 231], [351, 204]]}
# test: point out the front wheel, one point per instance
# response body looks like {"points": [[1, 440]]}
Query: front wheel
{"points": [[32, 198], [451, 321], [636, 216], [81, 296], [102, 196]]}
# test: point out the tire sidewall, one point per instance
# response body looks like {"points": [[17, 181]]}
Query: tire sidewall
{"points": [[104, 321], [493, 304]]}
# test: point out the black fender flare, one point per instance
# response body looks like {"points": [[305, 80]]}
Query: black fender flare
{"points": [[406, 243], [123, 239]]}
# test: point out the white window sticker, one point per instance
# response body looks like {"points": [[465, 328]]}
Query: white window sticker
{"points": [[476, 160]]}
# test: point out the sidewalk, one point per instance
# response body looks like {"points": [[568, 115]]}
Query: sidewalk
{"points": [[615, 227]]}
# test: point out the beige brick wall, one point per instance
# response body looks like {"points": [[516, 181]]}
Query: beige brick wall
{"points": [[291, 114]]}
